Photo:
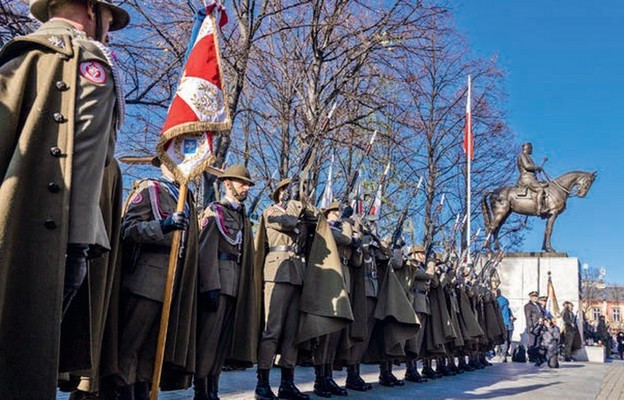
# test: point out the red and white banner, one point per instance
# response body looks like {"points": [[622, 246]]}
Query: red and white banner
{"points": [[375, 210], [199, 108], [468, 138]]}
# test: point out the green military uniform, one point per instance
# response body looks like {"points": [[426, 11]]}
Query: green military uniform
{"points": [[284, 269], [58, 113], [146, 252], [229, 315], [280, 244], [369, 300]]}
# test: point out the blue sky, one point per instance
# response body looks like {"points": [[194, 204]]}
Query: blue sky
{"points": [[565, 79]]}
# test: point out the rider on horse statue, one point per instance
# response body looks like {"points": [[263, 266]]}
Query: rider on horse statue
{"points": [[528, 176]]}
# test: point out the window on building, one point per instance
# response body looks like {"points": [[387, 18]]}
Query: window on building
{"points": [[616, 314], [596, 313]]}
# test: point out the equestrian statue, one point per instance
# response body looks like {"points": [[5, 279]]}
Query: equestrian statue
{"points": [[532, 197]]}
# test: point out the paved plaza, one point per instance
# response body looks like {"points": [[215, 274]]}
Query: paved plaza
{"points": [[502, 381]]}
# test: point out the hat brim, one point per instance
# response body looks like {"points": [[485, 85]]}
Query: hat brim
{"points": [[121, 18], [275, 193], [237, 178]]}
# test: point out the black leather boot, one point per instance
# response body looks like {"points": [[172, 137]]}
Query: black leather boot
{"points": [[411, 373], [331, 383], [484, 360], [263, 387], [200, 387], [354, 380], [213, 387], [320, 382], [287, 389], [463, 365], [453, 367]]}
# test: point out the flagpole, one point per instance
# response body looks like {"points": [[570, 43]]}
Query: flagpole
{"points": [[164, 318], [468, 167]]}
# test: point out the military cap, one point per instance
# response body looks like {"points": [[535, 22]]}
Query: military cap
{"points": [[545, 298], [237, 172], [282, 184], [333, 206], [533, 293], [121, 18], [416, 248]]}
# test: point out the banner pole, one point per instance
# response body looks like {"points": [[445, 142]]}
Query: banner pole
{"points": [[164, 318]]}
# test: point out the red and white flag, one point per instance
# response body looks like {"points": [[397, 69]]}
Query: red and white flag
{"points": [[199, 108], [468, 138], [375, 210]]}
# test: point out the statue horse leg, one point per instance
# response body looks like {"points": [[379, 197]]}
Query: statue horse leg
{"points": [[546, 246], [500, 212]]}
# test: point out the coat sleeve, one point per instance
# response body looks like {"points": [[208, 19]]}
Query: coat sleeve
{"points": [[283, 221], [208, 253], [139, 225], [12, 89]]}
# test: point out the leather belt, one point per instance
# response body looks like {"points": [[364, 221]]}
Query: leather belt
{"points": [[228, 257], [282, 249]]}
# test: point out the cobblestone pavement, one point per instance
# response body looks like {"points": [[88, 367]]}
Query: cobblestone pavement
{"points": [[502, 381], [612, 387]]}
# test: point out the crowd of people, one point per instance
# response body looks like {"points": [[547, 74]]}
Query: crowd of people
{"points": [[545, 340]]}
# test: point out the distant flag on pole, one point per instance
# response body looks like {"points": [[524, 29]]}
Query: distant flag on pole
{"points": [[328, 193], [375, 210], [468, 138], [199, 108]]}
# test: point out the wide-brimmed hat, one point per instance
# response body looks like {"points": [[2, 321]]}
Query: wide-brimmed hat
{"points": [[121, 18], [282, 184], [416, 248], [333, 206], [237, 172]]}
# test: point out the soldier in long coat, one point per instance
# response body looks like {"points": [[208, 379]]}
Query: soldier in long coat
{"points": [[416, 278], [146, 231], [324, 384], [59, 109], [532, 314], [229, 312], [371, 292], [280, 246]]}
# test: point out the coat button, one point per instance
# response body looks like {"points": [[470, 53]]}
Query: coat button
{"points": [[49, 224], [53, 187], [55, 151], [58, 117], [61, 86]]}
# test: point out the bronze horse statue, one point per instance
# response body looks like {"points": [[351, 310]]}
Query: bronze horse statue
{"points": [[498, 204]]}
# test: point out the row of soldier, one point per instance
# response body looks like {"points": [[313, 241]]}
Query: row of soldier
{"points": [[82, 277], [316, 282]]}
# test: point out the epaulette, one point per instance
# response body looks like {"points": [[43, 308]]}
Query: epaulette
{"points": [[61, 44]]}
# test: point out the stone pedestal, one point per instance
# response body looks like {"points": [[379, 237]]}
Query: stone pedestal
{"points": [[521, 273]]}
